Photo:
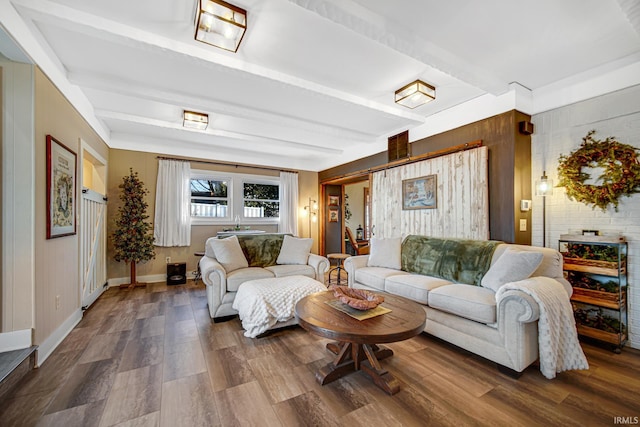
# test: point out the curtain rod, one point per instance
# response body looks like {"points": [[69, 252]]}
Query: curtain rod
{"points": [[237, 165]]}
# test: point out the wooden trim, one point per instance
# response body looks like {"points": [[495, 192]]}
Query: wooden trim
{"points": [[357, 175]]}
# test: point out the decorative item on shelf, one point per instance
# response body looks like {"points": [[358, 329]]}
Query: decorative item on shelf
{"points": [[237, 226], [220, 24], [359, 232], [360, 299], [620, 172]]}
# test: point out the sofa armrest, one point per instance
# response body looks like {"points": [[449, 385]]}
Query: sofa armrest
{"points": [[213, 274], [515, 305], [353, 263], [320, 264]]}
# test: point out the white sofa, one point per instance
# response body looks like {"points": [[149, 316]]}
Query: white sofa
{"points": [[461, 303], [229, 262]]}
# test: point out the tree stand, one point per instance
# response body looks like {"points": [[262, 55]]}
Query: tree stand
{"points": [[134, 280]]}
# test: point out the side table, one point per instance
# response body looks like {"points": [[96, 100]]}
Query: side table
{"points": [[197, 275]]}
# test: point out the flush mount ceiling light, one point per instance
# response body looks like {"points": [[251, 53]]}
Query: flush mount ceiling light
{"points": [[220, 24], [415, 94], [195, 120]]}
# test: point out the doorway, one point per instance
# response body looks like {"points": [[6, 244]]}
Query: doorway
{"points": [[357, 213], [352, 210]]}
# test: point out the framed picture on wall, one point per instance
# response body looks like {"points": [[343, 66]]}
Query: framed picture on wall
{"points": [[419, 193], [334, 200], [61, 189], [333, 215]]}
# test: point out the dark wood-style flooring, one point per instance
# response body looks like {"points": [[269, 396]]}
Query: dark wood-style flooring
{"points": [[152, 357]]}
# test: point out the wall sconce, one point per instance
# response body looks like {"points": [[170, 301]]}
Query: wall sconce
{"points": [[220, 24], [415, 94], [194, 120], [544, 188], [311, 211]]}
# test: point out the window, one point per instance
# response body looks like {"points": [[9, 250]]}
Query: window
{"points": [[221, 198], [261, 200], [209, 197]]}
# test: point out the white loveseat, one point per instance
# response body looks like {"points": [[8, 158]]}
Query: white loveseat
{"points": [[234, 260], [456, 282]]}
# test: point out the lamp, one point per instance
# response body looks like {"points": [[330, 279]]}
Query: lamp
{"points": [[220, 24], [415, 94], [194, 120], [311, 210], [544, 188]]}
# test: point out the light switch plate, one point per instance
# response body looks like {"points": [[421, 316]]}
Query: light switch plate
{"points": [[523, 225]]}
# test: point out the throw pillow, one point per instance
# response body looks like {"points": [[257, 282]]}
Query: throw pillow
{"points": [[385, 253], [512, 266], [229, 253], [294, 250]]}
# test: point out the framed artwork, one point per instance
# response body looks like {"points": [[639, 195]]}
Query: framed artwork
{"points": [[334, 200], [61, 189], [419, 193], [333, 215]]}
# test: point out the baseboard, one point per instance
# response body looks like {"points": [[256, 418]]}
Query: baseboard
{"points": [[53, 341], [152, 278], [15, 340]]}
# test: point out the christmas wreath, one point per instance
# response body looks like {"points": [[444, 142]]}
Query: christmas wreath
{"points": [[620, 177]]}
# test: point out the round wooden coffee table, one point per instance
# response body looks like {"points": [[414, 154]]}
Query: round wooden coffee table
{"points": [[356, 347]]}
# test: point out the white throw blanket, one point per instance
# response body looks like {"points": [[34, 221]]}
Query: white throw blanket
{"points": [[262, 303], [558, 343]]}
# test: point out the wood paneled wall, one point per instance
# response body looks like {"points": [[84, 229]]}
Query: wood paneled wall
{"points": [[509, 168], [462, 198]]}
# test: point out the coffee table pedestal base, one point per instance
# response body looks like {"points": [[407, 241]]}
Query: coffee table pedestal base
{"points": [[351, 357]]}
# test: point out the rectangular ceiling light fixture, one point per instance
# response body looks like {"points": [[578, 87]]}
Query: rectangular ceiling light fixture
{"points": [[220, 24], [195, 120], [415, 94]]}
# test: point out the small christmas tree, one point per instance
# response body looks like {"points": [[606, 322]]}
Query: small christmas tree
{"points": [[132, 237]]}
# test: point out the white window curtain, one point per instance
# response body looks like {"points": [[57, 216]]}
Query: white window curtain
{"points": [[172, 224], [288, 203]]}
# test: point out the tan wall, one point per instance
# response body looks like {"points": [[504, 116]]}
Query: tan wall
{"points": [[146, 164], [56, 260]]}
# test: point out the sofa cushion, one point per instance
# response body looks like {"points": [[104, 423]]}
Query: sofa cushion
{"points": [[456, 260], [229, 253], [385, 253], [413, 286], [468, 301], [294, 250], [374, 277], [292, 270], [238, 277], [512, 266], [551, 265]]}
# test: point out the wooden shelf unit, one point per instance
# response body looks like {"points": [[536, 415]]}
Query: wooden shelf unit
{"points": [[600, 313]]}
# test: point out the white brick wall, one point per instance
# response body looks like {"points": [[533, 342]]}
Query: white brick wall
{"points": [[561, 131]]}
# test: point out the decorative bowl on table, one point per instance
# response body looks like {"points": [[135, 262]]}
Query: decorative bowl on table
{"points": [[359, 299]]}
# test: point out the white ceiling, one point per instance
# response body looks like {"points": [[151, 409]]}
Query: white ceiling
{"points": [[312, 83]]}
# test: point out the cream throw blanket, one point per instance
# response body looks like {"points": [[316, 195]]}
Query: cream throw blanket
{"points": [[558, 343], [262, 303]]}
